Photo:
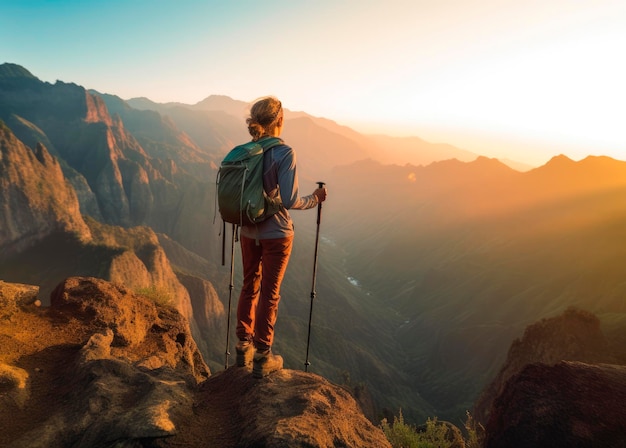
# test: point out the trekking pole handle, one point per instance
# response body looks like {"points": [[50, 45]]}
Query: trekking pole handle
{"points": [[319, 205]]}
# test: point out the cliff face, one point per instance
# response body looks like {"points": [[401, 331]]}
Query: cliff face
{"points": [[41, 227], [105, 367], [567, 404], [35, 199], [94, 147], [209, 319], [573, 336], [159, 178], [561, 385]]}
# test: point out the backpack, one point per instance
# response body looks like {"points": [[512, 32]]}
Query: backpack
{"points": [[241, 197]]}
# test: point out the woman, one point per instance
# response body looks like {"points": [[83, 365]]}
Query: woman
{"points": [[266, 246]]}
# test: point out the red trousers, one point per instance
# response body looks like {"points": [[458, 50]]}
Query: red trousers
{"points": [[264, 266]]}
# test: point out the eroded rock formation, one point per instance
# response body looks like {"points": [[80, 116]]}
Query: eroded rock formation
{"points": [[104, 367], [569, 404]]}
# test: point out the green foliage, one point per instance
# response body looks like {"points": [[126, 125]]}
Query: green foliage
{"points": [[475, 432], [160, 296], [400, 434], [433, 435], [403, 435]]}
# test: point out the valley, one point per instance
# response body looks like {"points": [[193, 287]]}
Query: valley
{"points": [[428, 270]]}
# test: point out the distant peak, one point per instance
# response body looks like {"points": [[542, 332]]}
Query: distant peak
{"points": [[212, 99], [484, 160], [215, 97], [600, 160], [9, 70], [561, 158], [480, 161], [142, 98], [558, 163], [491, 163]]}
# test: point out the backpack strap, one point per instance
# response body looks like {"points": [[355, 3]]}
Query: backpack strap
{"points": [[269, 143]]}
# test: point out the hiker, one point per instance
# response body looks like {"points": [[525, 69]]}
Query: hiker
{"points": [[266, 246]]}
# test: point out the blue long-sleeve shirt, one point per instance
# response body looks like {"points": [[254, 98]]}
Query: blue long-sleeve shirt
{"points": [[280, 177]]}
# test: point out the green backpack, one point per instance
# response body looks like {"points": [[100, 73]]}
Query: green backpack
{"points": [[240, 195]]}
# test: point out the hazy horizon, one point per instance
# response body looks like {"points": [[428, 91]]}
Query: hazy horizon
{"points": [[519, 81]]}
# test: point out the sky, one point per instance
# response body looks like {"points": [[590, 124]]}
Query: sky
{"points": [[523, 80]]}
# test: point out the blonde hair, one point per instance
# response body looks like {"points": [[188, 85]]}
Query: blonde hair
{"points": [[264, 115]]}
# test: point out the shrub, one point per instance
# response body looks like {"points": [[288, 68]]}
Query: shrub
{"points": [[402, 435], [399, 434], [160, 296], [475, 432], [433, 434]]}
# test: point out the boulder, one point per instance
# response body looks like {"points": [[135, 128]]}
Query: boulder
{"points": [[574, 335], [142, 330], [569, 404], [288, 408], [14, 295]]}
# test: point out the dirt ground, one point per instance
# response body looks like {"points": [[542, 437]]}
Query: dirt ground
{"points": [[45, 345]]}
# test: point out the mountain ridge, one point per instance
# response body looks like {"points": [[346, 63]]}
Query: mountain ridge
{"points": [[437, 266], [8, 70]]}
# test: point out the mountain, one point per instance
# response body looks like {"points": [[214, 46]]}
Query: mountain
{"points": [[218, 124], [160, 137], [126, 179], [561, 385], [574, 335], [427, 272], [215, 131], [117, 179], [568, 404], [35, 199], [468, 254], [45, 238], [416, 151]]}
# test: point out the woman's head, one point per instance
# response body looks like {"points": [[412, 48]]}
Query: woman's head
{"points": [[266, 118]]}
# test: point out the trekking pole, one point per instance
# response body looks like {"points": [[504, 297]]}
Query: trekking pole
{"points": [[223, 243], [313, 293], [231, 286]]}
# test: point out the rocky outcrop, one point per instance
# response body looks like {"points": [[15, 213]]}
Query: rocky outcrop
{"points": [[96, 110], [287, 409], [14, 295], [136, 323], [35, 198], [100, 366], [209, 317], [573, 336], [140, 263], [568, 404], [104, 367]]}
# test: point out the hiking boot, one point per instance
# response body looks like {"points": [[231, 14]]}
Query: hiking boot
{"points": [[265, 363], [245, 353]]}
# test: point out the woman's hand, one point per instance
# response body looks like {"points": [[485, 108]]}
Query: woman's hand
{"points": [[320, 193]]}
